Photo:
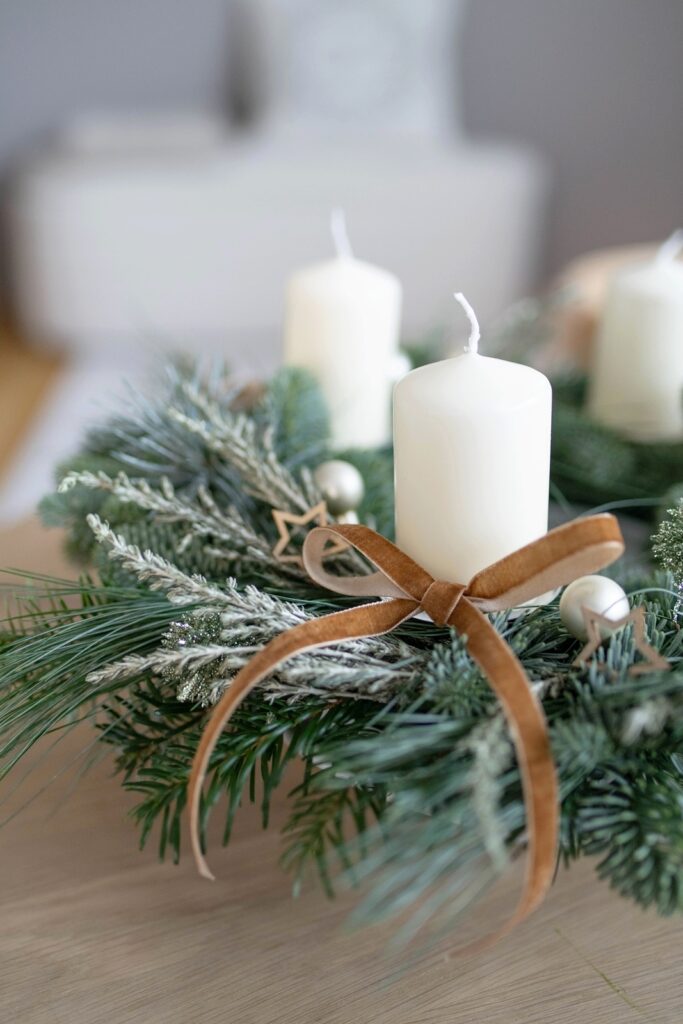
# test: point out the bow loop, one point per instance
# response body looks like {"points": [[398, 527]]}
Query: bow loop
{"points": [[397, 574]]}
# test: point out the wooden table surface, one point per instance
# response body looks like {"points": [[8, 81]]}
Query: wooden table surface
{"points": [[95, 932], [26, 376]]}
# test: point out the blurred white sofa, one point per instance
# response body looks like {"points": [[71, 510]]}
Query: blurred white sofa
{"points": [[124, 240]]}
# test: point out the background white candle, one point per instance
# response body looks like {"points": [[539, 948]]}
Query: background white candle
{"points": [[472, 454], [637, 377], [342, 323]]}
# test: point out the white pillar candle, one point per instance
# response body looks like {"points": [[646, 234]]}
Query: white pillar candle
{"points": [[342, 323], [637, 377], [472, 456]]}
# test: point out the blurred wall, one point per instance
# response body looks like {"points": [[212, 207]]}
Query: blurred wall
{"points": [[595, 84], [598, 86], [58, 57]]}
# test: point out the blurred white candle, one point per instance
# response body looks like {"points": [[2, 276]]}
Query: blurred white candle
{"points": [[637, 377], [472, 454], [342, 323]]}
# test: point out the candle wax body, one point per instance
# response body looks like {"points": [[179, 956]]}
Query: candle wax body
{"points": [[472, 458], [637, 376], [342, 324]]}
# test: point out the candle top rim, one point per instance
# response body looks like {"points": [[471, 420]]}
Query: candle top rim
{"points": [[650, 275], [337, 267], [675, 264], [456, 380]]}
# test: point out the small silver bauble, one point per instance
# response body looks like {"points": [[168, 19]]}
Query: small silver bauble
{"points": [[600, 595], [341, 485]]}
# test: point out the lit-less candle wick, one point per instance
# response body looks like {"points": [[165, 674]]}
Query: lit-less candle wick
{"points": [[475, 334], [340, 235], [672, 248]]}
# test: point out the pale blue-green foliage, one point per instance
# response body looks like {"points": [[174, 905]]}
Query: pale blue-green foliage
{"points": [[150, 440]]}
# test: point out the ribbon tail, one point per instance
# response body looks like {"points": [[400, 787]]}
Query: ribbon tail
{"points": [[354, 623], [529, 729]]}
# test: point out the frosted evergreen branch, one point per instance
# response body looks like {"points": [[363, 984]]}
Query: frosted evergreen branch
{"points": [[237, 439], [156, 572], [203, 673], [490, 745], [333, 672], [230, 536], [158, 662], [250, 618], [667, 548]]}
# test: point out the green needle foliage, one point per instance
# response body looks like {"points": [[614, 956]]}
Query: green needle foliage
{"points": [[636, 823], [594, 465], [409, 781]]}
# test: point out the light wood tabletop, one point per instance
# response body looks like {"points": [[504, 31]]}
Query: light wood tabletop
{"points": [[26, 377], [95, 932]]}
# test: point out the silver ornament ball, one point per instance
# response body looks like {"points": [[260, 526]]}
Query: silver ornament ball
{"points": [[341, 486], [597, 593]]}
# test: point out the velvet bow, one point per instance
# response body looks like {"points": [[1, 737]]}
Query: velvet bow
{"points": [[405, 589]]}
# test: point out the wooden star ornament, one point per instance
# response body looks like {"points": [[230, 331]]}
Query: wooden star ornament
{"points": [[593, 621], [315, 516]]}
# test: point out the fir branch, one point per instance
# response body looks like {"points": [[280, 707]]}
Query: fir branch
{"points": [[156, 736], [220, 644], [62, 635], [146, 440], [159, 662], [293, 410], [636, 822], [320, 826], [594, 465], [235, 437], [157, 573], [227, 536], [425, 855]]}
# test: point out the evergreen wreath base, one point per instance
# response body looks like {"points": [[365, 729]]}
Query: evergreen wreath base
{"points": [[592, 464], [409, 782]]}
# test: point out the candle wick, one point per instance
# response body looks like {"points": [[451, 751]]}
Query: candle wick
{"points": [[475, 334], [340, 235], [672, 248]]}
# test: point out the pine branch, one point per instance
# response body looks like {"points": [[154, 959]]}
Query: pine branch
{"points": [[295, 413], [236, 439], [156, 736], [636, 822], [148, 440], [63, 635], [202, 654], [157, 573], [227, 536]]}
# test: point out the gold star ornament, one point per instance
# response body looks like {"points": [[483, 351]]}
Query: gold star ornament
{"points": [[284, 521], [594, 622]]}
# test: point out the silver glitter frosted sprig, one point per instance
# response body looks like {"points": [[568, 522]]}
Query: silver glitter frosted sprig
{"points": [[667, 548]]}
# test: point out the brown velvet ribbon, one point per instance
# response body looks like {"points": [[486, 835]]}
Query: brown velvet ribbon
{"points": [[562, 555]]}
